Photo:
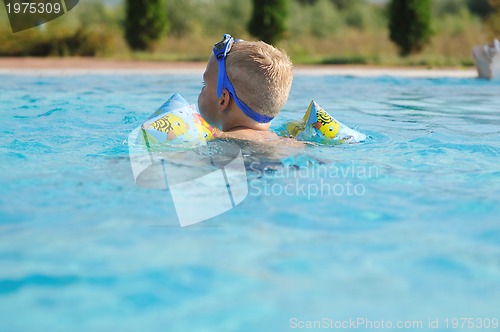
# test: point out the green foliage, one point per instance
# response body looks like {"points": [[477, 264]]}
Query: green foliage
{"points": [[145, 23], [448, 7], [307, 2], [493, 25], [454, 25], [318, 31], [410, 24], [224, 16], [358, 16], [347, 4], [349, 60], [92, 30], [93, 12], [82, 42], [178, 14], [268, 21], [320, 20], [208, 17], [493, 20], [324, 19], [238, 11], [456, 22], [481, 8]]}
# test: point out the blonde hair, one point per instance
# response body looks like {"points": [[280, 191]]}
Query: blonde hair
{"points": [[261, 75]]}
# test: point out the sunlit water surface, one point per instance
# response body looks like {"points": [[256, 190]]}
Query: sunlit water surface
{"points": [[417, 237]]}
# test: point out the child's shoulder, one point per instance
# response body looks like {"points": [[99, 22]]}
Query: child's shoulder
{"points": [[260, 136], [250, 134]]}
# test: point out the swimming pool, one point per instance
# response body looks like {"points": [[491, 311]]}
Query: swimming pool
{"points": [[416, 239]]}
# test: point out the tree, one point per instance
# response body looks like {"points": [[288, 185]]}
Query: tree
{"points": [[179, 15], [145, 22], [268, 20], [493, 20], [448, 7], [410, 24], [307, 2], [346, 4], [482, 8]]}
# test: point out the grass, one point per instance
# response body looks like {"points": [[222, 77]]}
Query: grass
{"points": [[351, 48]]}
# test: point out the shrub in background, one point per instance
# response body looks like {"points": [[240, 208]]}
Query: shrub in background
{"points": [[493, 20], [91, 41], [145, 22], [410, 24], [482, 8], [268, 21]]}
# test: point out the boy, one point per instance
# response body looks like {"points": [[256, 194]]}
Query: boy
{"points": [[245, 85]]}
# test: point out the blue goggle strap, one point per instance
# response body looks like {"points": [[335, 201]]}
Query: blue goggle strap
{"points": [[223, 81], [244, 107]]}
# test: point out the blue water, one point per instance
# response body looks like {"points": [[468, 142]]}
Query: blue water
{"points": [[82, 248]]}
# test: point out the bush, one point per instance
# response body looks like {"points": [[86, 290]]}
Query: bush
{"points": [[324, 19], [179, 14], [347, 4], [358, 17], [82, 42], [481, 8], [268, 20], [493, 20], [410, 24], [224, 16], [145, 22], [443, 8]]}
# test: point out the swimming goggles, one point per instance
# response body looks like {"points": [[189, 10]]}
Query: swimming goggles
{"points": [[220, 50]]}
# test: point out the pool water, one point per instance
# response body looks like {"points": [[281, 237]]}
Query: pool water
{"points": [[402, 227]]}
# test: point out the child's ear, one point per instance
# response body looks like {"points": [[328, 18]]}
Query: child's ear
{"points": [[224, 100]]}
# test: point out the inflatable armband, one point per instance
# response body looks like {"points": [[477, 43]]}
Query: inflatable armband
{"points": [[177, 122], [319, 125]]}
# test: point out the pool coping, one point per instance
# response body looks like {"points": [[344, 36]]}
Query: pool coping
{"points": [[31, 66]]}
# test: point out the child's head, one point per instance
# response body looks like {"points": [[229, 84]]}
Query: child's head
{"points": [[245, 84]]}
